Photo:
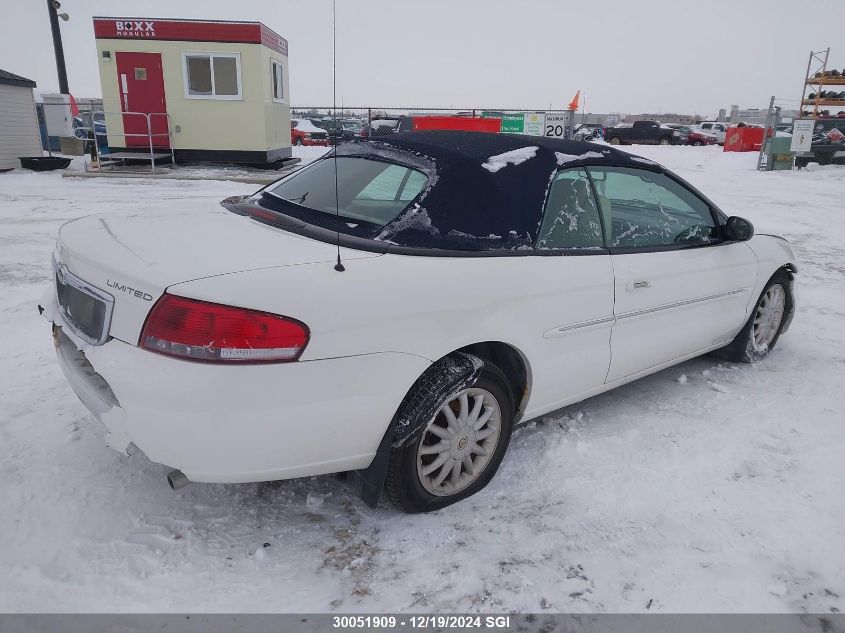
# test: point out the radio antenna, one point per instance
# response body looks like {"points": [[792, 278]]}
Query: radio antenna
{"points": [[339, 265]]}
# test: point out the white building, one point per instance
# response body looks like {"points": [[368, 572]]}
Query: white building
{"points": [[18, 121]]}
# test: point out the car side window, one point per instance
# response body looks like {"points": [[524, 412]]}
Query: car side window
{"points": [[644, 209], [396, 182], [571, 218]]}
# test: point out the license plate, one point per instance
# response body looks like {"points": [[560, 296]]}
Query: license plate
{"points": [[85, 309]]}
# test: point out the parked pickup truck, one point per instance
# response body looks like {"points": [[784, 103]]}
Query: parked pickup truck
{"points": [[641, 133]]}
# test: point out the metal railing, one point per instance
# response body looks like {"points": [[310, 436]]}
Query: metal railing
{"points": [[91, 129], [148, 118]]}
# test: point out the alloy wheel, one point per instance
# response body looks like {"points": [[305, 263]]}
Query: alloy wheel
{"points": [[768, 317], [459, 442]]}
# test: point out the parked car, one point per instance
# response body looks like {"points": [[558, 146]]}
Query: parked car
{"points": [[714, 128], [588, 132], [383, 127], [353, 125], [641, 133], [335, 129], [681, 136], [691, 136], [304, 132], [401, 324]]}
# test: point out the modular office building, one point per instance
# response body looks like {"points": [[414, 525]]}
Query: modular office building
{"points": [[212, 90]]}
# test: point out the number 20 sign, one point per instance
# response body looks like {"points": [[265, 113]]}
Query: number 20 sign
{"points": [[555, 125]]}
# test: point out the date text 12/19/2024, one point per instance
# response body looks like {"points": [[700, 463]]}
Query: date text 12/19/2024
{"points": [[421, 622]]}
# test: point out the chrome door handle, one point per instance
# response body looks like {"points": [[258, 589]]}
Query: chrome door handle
{"points": [[637, 284]]}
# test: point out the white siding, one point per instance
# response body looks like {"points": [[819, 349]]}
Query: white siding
{"points": [[18, 125]]}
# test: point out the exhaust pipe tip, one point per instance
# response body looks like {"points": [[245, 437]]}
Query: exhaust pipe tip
{"points": [[176, 479]]}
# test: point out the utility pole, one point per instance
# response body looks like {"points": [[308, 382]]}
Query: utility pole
{"points": [[53, 9]]}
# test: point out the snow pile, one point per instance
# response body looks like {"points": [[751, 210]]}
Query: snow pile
{"points": [[514, 157]]}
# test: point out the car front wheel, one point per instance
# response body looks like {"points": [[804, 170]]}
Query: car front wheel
{"points": [[765, 325], [456, 452]]}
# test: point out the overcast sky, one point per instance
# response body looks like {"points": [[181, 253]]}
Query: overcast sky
{"points": [[627, 55]]}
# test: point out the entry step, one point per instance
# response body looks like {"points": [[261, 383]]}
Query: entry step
{"points": [[134, 155]]}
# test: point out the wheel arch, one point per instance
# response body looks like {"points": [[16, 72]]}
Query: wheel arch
{"points": [[513, 364], [790, 269], [505, 356]]}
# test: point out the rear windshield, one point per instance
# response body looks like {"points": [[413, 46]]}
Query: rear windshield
{"points": [[370, 193]]}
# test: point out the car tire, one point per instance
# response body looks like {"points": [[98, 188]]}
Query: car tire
{"points": [[761, 332], [697, 143], [615, 141], [412, 475], [665, 141], [297, 141]]}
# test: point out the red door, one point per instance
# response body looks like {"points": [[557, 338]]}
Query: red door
{"points": [[141, 84]]}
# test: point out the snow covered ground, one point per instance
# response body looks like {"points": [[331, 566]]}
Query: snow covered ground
{"points": [[708, 486]]}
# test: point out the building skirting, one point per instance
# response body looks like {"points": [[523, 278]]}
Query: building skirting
{"points": [[240, 157]]}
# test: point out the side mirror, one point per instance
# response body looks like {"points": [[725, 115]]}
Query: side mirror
{"points": [[738, 229]]}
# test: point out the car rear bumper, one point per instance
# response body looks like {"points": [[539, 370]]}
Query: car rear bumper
{"points": [[246, 423]]}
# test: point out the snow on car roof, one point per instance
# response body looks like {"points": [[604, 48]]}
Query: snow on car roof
{"points": [[513, 157], [306, 126], [466, 197]]}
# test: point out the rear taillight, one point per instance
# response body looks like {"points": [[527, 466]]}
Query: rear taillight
{"points": [[210, 332]]}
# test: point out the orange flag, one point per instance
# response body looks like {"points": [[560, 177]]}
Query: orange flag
{"points": [[573, 105]]}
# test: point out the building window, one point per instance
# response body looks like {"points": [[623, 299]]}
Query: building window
{"points": [[212, 75], [278, 80]]}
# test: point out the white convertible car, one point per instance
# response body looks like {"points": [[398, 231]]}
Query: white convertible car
{"points": [[395, 309]]}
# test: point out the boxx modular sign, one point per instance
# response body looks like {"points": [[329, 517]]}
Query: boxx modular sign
{"points": [[135, 28], [189, 31]]}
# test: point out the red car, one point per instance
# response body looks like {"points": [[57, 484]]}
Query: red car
{"points": [[303, 132], [694, 137]]}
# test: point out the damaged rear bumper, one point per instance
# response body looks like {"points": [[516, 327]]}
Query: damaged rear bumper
{"points": [[232, 424], [92, 389]]}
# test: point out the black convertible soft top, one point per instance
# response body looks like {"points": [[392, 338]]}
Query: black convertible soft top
{"points": [[486, 191]]}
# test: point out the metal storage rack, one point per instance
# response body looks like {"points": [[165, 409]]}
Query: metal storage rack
{"points": [[818, 77]]}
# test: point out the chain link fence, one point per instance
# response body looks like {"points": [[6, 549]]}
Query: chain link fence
{"points": [[820, 139], [316, 128]]}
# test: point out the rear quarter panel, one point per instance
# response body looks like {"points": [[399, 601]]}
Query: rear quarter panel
{"points": [[431, 306]]}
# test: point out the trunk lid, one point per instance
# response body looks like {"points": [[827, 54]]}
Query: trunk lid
{"points": [[135, 256]]}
